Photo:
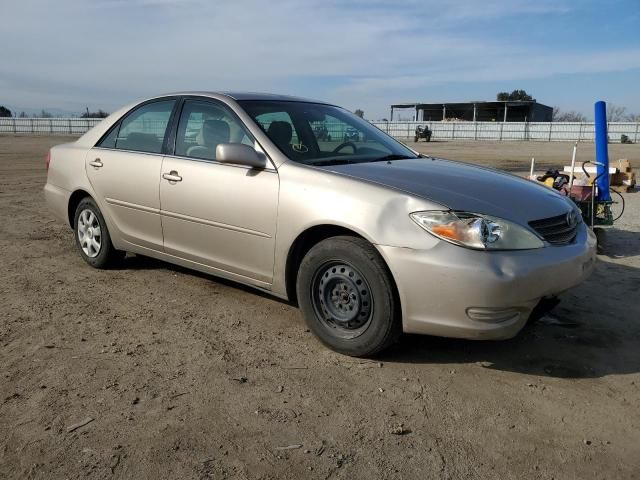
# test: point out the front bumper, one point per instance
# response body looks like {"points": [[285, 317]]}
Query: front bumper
{"points": [[452, 291]]}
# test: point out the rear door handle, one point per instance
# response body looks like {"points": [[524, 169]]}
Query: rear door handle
{"points": [[172, 176], [97, 163]]}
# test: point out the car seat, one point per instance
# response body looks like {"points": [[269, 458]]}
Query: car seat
{"points": [[212, 133], [281, 134]]}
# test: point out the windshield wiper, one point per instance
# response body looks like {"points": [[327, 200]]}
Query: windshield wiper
{"points": [[345, 161], [393, 156], [330, 161]]}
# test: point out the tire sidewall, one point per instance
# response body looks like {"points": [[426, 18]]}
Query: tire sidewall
{"points": [[383, 320]]}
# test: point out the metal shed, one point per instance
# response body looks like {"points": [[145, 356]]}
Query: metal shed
{"points": [[480, 111]]}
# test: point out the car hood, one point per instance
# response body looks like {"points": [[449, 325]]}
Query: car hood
{"points": [[462, 186]]}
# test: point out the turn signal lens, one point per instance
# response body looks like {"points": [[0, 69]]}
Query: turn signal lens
{"points": [[449, 231]]}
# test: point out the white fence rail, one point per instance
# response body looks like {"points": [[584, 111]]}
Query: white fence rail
{"points": [[539, 131], [44, 126], [546, 132]]}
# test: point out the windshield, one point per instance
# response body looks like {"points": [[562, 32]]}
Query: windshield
{"points": [[316, 134]]}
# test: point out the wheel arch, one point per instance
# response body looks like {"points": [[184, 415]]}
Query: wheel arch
{"points": [[307, 240], [74, 200]]}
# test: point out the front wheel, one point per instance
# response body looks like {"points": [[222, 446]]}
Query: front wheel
{"points": [[92, 236], [347, 296]]}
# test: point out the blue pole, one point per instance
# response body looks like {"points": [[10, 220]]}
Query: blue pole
{"points": [[602, 151]]}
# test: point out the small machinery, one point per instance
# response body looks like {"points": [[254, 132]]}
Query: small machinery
{"points": [[592, 193], [422, 132], [595, 202]]}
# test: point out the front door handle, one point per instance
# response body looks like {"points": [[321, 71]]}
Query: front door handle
{"points": [[97, 163], [172, 176]]}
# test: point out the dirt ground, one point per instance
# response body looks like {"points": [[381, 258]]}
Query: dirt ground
{"points": [[516, 156], [187, 376]]}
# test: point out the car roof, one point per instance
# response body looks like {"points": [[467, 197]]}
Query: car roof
{"points": [[249, 96]]}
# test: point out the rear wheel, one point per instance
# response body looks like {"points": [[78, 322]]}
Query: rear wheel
{"points": [[92, 236], [347, 296]]}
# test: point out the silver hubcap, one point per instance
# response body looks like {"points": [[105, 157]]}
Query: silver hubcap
{"points": [[89, 233]]}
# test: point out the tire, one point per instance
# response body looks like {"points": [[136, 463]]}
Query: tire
{"points": [[415, 139], [347, 296], [95, 247]]}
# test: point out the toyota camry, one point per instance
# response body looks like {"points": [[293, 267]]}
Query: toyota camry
{"points": [[369, 238]]}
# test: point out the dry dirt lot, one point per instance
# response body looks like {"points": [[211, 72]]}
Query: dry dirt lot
{"points": [[187, 376], [516, 156]]}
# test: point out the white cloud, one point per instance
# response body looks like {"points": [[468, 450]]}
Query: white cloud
{"points": [[104, 53]]}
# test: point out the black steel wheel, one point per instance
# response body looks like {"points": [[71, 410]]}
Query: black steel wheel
{"points": [[348, 296], [342, 299]]}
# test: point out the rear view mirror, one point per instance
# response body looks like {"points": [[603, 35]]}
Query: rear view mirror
{"points": [[240, 154]]}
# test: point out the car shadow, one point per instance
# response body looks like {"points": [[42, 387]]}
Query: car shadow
{"points": [[140, 262], [593, 332], [615, 243]]}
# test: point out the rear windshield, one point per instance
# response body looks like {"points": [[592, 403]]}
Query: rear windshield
{"points": [[317, 134]]}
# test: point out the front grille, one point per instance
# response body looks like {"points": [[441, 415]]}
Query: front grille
{"points": [[558, 230]]}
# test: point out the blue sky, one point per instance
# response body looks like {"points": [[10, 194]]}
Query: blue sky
{"points": [[69, 54]]}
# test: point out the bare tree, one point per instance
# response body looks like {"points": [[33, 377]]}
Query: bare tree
{"points": [[616, 113], [633, 117], [570, 116], [359, 113], [99, 114]]}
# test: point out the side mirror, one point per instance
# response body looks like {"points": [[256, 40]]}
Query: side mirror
{"points": [[240, 154]]}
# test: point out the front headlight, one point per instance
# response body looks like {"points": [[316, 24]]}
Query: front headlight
{"points": [[481, 232]]}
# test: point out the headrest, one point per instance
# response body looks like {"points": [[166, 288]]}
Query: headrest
{"points": [[280, 132], [213, 132]]}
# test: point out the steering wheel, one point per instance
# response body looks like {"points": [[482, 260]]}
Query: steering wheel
{"points": [[346, 144]]}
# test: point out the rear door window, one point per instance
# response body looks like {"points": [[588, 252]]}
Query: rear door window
{"points": [[144, 129]]}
